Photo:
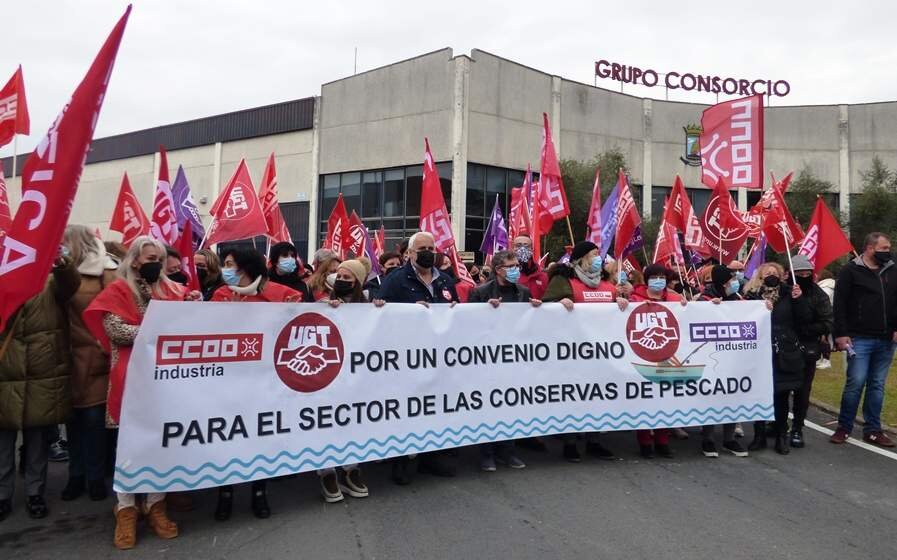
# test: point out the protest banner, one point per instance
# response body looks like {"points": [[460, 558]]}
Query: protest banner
{"points": [[289, 388]]}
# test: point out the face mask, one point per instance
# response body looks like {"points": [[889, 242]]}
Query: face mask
{"points": [[512, 274], [596, 264], [230, 276], [524, 254], [733, 287], [331, 279], [804, 283], [202, 274], [772, 281], [150, 271], [425, 259], [657, 284], [739, 275], [882, 257], [622, 278], [178, 277], [342, 287], [287, 265], [388, 270]]}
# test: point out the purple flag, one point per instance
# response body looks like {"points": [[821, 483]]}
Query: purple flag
{"points": [[370, 254], [185, 209], [758, 256], [496, 236], [609, 220], [636, 243]]}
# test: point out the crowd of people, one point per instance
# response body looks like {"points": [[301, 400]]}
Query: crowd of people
{"points": [[64, 354]]}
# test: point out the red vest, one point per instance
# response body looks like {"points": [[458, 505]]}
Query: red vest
{"points": [[605, 292], [537, 282]]}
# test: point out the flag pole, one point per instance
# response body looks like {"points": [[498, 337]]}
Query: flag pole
{"points": [[570, 230], [15, 151], [788, 252]]}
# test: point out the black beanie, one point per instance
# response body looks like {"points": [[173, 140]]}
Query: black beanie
{"points": [[582, 249], [720, 274]]}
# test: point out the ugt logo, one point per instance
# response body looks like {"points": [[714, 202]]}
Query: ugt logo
{"points": [[652, 332], [308, 353]]}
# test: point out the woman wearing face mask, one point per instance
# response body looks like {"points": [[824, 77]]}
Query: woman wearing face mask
{"points": [[326, 264], [582, 280], [347, 288], [285, 268], [245, 276], [657, 275], [789, 310], [114, 318], [208, 271]]}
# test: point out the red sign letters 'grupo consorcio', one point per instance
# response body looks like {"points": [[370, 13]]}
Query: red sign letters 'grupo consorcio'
{"points": [[689, 81]]}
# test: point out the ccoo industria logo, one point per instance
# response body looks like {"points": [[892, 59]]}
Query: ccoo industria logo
{"points": [[308, 353]]}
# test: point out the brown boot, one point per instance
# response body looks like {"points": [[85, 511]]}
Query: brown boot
{"points": [[158, 520], [125, 528]]}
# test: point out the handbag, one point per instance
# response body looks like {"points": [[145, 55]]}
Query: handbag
{"points": [[789, 352]]}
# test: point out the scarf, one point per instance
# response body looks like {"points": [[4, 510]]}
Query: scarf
{"points": [[770, 294], [249, 290], [590, 279]]}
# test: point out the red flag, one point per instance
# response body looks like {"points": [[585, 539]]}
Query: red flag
{"points": [[732, 143], [593, 220], [724, 229], [781, 229], [14, 117], [5, 213], [553, 196], [164, 224], [237, 213], [825, 240], [357, 235], [667, 244], [128, 217], [627, 216], [681, 215], [434, 217], [277, 227], [756, 217], [49, 182], [185, 248], [337, 239], [380, 242]]}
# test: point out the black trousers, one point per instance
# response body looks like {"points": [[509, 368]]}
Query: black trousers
{"points": [[802, 395]]}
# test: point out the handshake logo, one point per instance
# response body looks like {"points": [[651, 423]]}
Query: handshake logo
{"points": [[652, 332], [308, 354]]}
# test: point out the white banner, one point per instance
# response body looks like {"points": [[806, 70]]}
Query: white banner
{"points": [[221, 393]]}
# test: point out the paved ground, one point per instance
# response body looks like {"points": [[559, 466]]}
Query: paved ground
{"points": [[821, 502]]}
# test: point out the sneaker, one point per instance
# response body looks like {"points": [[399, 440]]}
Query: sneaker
{"points": [[37, 507], [487, 464], [646, 451], [73, 488], [400, 474], [739, 431], [512, 462], [679, 433], [708, 448], [595, 449], [352, 484], [878, 438], [840, 435], [664, 451], [735, 448], [571, 453], [59, 452], [330, 488], [797, 439], [822, 363]]}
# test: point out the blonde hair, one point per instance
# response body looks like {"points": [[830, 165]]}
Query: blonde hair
{"points": [[756, 280], [81, 242], [130, 275], [318, 280]]}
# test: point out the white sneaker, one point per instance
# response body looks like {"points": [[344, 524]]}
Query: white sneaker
{"points": [[739, 431], [330, 488], [822, 363]]}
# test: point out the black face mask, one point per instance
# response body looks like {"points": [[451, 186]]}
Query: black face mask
{"points": [[179, 277], [772, 281], [882, 257], [342, 288], [150, 271], [804, 283], [202, 274], [389, 270], [425, 259]]}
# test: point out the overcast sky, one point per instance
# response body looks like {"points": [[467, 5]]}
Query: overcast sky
{"points": [[185, 60]]}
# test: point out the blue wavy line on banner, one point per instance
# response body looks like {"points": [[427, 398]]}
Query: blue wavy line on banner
{"points": [[431, 439]]}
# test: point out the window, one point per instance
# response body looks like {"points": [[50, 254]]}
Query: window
{"points": [[413, 183], [371, 191], [484, 183], [394, 193], [350, 186]]}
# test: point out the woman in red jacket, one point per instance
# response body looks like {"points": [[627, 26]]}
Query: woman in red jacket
{"points": [[655, 289], [246, 280]]}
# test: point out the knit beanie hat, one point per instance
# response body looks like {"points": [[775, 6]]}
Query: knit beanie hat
{"points": [[582, 249], [356, 268]]}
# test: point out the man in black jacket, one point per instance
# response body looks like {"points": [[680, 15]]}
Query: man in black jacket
{"points": [[865, 308], [811, 335]]}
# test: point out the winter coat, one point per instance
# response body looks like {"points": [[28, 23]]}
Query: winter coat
{"points": [[490, 290], [866, 301], [90, 361], [35, 369], [267, 292], [640, 293], [403, 286], [292, 281], [787, 314], [819, 325]]}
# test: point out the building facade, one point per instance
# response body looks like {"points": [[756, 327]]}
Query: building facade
{"points": [[363, 137]]}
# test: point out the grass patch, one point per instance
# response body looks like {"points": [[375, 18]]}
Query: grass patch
{"points": [[829, 385]]}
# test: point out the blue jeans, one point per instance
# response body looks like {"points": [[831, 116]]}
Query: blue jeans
{"points": [[88, 442], [869, 369]]}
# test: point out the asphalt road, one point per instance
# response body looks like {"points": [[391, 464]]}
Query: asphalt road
{"points": [[821, 502]]}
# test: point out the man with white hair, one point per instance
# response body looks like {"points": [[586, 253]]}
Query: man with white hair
{"points": [[419, 281]]}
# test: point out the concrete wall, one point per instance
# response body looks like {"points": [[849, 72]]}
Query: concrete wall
{"points": [[872, 131], [379, 118]]}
